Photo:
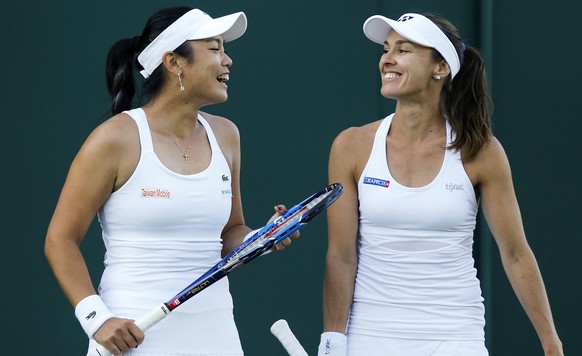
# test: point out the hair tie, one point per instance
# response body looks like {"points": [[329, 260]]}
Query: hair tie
{"points": [[134, 43], [463, 47]]}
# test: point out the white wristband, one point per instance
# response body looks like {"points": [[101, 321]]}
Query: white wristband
{"points": [[92, 313], [332, 344]]}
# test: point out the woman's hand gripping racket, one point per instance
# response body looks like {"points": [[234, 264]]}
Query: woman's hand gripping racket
{"points": [[260, 242]]}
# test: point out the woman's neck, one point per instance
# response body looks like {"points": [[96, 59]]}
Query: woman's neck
{"points": [[416, 122]]}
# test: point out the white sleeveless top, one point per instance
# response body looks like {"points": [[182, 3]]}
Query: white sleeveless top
{"points": [[162, 231], [416, 277]]}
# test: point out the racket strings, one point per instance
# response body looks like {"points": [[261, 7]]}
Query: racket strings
{"points": [[280, 227], [316, 201]]}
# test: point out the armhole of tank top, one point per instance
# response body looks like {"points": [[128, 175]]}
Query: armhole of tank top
{"points": [[382, 131], [138, 116], [143, 130], [452, 154], [210, 134]]}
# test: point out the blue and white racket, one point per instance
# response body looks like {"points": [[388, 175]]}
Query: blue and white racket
{"points": [[259, 243]]}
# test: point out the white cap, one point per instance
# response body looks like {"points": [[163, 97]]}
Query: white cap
{"points": [[193, 25], [417, 29]]}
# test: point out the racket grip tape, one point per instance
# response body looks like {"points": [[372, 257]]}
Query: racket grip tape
{"points": [[150, 319], [282, 332]]}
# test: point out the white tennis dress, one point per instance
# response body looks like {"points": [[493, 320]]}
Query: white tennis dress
{"points": [[162, 230], [416, 278]]}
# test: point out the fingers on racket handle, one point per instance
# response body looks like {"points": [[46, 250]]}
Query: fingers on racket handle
{"points": [[150, 319], [282, 332]]}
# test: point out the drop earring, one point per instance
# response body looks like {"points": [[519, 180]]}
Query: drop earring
{"points": [[180, 80]]}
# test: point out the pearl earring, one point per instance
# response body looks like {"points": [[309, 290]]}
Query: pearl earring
{"points": [[437, 77], [180, 80]]}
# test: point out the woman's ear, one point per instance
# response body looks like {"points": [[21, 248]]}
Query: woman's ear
{"points": [[170, 62], [442, 69]]}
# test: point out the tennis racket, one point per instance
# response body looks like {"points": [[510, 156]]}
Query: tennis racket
{"points": [[282, 332], [259, 243]]}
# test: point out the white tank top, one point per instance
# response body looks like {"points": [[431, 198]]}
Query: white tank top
{"points": [[416, 277], [162, 231]]}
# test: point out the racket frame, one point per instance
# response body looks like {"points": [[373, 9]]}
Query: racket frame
{"points": [[258, 244]]}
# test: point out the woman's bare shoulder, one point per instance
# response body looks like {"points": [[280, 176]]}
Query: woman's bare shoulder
{"points": [[356, 138], [120, 129], [219, 123]]}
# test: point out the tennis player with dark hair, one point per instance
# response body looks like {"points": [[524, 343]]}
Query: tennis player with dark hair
{"points": [[400, 276], [164, 181]]}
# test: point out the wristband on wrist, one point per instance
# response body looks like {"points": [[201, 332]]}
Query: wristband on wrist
{"points": [[92, 313], [332, 343]]}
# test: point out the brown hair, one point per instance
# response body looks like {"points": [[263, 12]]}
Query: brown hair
{"points": [[122, 59], [465, 100]]}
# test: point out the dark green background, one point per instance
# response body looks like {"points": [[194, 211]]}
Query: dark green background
{"points": [[302, 73]]}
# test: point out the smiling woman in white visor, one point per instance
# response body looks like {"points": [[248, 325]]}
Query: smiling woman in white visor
{"points": [[163, 179], [400, 276], [418, 29], [193, 25]]}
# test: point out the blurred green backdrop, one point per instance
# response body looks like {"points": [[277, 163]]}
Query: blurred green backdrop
{"points": [[302, 73]]}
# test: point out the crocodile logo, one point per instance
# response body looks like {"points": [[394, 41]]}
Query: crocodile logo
{"points": [[91, 315]]}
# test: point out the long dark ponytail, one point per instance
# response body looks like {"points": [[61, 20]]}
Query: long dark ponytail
{"points": [[122, 59], [465, 100]]}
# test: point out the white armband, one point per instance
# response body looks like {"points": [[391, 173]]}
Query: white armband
{"points": [[92, 313], [332, 344]]}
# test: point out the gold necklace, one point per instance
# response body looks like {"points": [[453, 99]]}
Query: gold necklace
{"points": [[184, 153]]}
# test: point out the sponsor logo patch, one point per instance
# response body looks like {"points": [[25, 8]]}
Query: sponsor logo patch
{"points": [[155, 193], [377, 181]]}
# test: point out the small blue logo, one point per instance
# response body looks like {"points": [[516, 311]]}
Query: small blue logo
{"points": [[377, 181]]}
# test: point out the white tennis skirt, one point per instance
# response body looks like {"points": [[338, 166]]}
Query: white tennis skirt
{"points": [[361, 345]]}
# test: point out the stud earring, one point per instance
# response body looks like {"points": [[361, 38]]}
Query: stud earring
{"points": [[437, 77], [180, 80]]}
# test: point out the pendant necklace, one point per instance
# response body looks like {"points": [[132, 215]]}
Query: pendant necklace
{"points": [[184, 153]]}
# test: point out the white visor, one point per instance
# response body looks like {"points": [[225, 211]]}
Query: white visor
{"points": [[417, 29], [193, 25]]}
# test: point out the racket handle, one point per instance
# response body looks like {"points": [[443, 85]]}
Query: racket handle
{"points": [[150, 319], [153, 317], [282, 332]]}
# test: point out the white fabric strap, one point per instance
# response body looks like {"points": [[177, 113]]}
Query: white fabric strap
{"points": [[92, 313], [332, 344]]}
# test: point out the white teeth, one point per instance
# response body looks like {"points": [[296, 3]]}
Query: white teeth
{"points": [[223, 77], [390, 75]]}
